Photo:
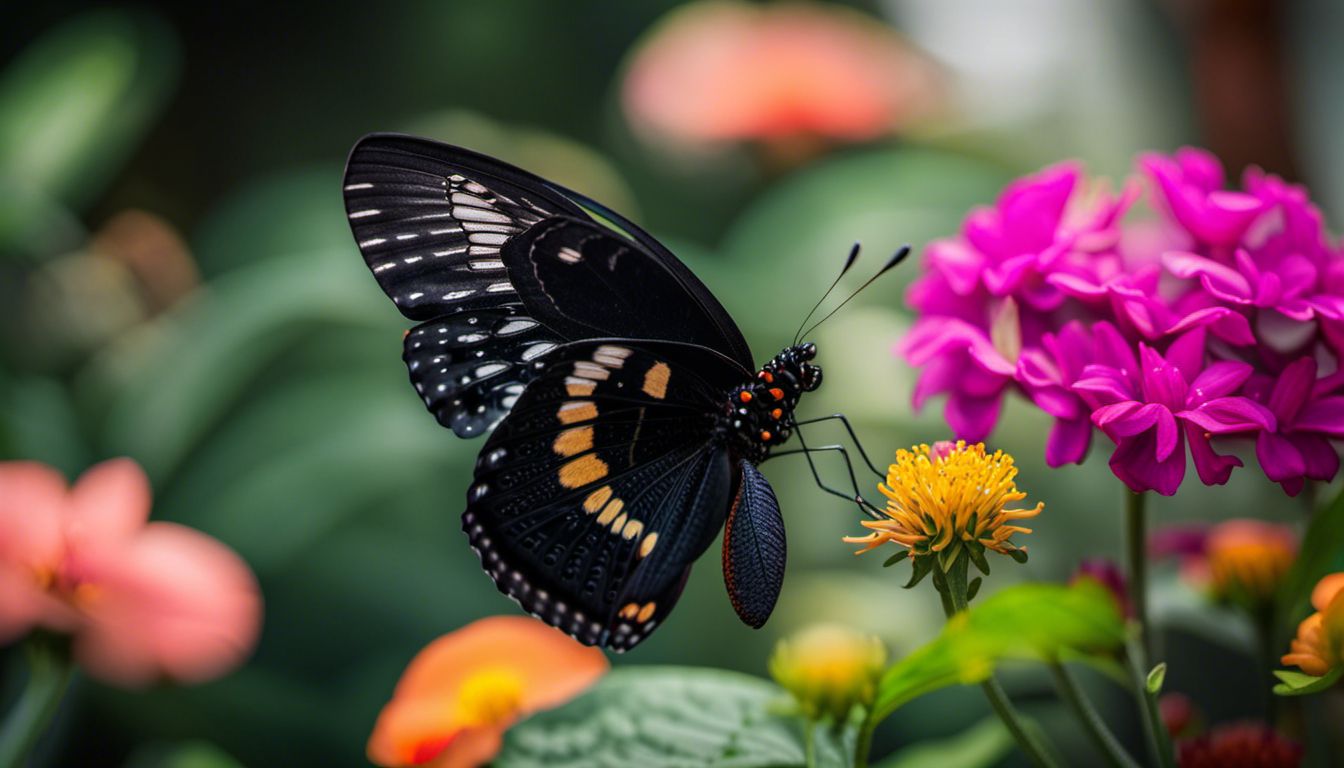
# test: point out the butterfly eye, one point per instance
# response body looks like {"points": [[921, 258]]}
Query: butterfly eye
{"points": [[808, 351]]}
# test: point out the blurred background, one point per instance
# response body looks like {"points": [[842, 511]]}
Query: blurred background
{"points": [[178, 284]]}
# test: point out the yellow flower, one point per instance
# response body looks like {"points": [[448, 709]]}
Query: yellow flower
{"points": [[1248, 559], [829, 668], [946, 495], [1319, 645]]}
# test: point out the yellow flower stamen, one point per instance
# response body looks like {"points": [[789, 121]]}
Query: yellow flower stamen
{"points": [[490, 696], [939, 497]]}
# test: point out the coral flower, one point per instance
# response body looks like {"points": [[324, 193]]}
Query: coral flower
{"points": [[828, 669], [142, 601], [949, 495], [1248, 559], [726, 71], [1319, 645], [458, 695], [1240, 745]]}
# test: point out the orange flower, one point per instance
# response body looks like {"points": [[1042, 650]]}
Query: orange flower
{"points": [[1319, 645], [725, 71], [142, 601], [1248, 559], [459, 694]]}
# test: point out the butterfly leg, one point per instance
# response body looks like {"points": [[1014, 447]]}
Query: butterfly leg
{"points": [[852, 435], [865, 506]]}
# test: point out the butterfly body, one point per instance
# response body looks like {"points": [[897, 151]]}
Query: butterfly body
{"points": [[625, 421]]}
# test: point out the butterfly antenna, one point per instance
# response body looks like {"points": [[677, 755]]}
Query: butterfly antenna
{"points": [[895, 259], [849, 262]]}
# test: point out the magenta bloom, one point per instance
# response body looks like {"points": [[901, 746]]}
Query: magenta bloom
{"points": [[1298, 447], [1197, 324], [1191, 186], [1152, 404]]}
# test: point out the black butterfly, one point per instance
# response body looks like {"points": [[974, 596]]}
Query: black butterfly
{"points": [[628, 417]]}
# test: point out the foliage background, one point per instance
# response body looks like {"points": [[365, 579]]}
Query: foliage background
{"points": [[269, 404]]}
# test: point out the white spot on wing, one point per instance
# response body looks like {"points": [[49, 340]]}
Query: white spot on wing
{"points": [[362, 214], [455, 295], [537, 350], [515, 326], [490, 369]]}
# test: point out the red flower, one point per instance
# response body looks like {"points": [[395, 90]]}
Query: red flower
{"points": [[1240, 745]]}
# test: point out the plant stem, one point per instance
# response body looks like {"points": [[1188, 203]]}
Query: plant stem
{"points": [[810, 743], [864, 744], [48, 677], [1159, 741], [953, 586], [1136, 564], [1090, 718]]}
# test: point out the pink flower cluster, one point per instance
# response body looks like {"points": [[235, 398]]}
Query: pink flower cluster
{"points": [[1216, 317]]}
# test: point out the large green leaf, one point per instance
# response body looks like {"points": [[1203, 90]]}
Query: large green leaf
{"points": [[1031, 621], [665, 716], [76, 102]]}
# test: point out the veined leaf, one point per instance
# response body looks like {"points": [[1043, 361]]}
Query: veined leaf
{"points": [[665, 716]]}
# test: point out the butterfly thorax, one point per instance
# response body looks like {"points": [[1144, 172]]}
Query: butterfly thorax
{"points": [[758, 413]]}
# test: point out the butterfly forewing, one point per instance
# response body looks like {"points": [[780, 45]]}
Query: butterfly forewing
{"points": [[604, 483]]}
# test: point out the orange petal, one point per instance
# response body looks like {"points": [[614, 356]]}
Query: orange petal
{"points": [[174, 603], [471, 747], [109, 503], [1326, 590], [553, 666]]}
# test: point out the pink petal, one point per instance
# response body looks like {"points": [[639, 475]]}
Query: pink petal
{"points": [[1325, 415], [1213, 469], [972, 418], [1292, 389], [1223, 415], [1322, 461], [1100, 385], [1068, 443], [1135, 463], [177, 605], [1218, 380], [1187, 354], [1279, 458], [109, 504], [33, 499], [1220, 280]]}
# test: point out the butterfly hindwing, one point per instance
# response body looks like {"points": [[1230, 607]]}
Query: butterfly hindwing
{"points": [[603, 484], [470, 367]]}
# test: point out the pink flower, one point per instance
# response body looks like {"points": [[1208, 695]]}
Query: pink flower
{"points": [[962, 361], [1047, 374], [1191, 186], [1306, 418], [716, 72], [1152, 404], [142, 601]]}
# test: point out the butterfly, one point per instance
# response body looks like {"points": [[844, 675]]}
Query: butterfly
{"points": [[625, 414]]}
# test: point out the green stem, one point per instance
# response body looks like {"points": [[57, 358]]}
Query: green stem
{"points": [[864, 744], [1136, 564], [1090, 718], [1159, 741], [1267, 658], [48, 677], [953, 586], [810, 743]]}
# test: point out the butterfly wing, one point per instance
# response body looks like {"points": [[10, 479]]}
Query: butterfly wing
{"points": [[585, 280], [450, 232], [595, 495]]}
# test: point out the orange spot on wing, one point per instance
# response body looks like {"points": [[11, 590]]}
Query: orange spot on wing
{"points": [[573, 440], [576, 410], [655, 381], [582, 471]]}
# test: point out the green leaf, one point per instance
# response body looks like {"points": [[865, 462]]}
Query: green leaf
{"points": [[920, 567], [896, 558], [973, 588], [1033, 621], [1020, 555], [191, 754], [977, 553], [980, 746], [1156, 676], [1320, 554], [665, 716], [1300, 683], [78, 100]]}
